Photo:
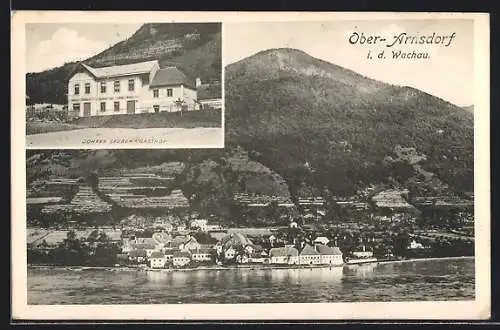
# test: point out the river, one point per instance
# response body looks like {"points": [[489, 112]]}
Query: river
{"points": [[420, 280]]}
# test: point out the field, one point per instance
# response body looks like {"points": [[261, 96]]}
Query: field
{"points": [[190, 119], [129, 137], [37, 127]]}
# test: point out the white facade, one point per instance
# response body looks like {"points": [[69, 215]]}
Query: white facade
{"points": [[230, 253], [166, 98], [113, 90], [362, 254], [332, 259], [157, 262], [201, 256], [289, 260], [310, 259], [181, 261], [213, 103], [329, 259]]}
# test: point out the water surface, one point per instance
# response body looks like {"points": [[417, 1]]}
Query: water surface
{"points": [[446, 279]]}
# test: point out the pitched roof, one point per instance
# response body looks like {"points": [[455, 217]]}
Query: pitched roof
{"points": [[157, 254], [201, 251], [308, 250], [138, 253], [121, 70], [235, 239], [178, 240], [171, 76], [327, 250], [283, 252], [182, 254]]}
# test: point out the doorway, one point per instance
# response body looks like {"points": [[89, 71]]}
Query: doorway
{"points": [[86, 109], [130, 107]]}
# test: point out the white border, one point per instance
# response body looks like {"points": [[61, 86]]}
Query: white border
{"points": [[477, 309]]}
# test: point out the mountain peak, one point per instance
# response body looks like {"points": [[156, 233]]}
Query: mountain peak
{"points": [[290, 108], [291, 63], [282, 50]]}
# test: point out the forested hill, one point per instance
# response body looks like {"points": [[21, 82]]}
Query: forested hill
{"points": [[292, 109], [195, 48]]}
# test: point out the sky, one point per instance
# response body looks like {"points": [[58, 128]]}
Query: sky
{"points": [[50, 45], [448, 74]]}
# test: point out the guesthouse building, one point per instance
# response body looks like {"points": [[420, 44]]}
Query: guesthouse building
{"points": [[128, 89]]}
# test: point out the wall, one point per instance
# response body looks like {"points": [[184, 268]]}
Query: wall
{"points": [[142, 95], [147, 101], [95, 97]]}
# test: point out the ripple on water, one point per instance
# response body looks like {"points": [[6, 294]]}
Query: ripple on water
{"points": [[411, 281]]}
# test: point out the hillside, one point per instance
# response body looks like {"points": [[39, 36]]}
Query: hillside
{"points": [[289, 109], [209, 178], [469, 108], [195, 48]]}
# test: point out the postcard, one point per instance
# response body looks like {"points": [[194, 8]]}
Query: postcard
{"points": [[314, 166]]}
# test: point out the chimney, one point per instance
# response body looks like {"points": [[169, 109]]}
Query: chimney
{"points": [[198, 82]]}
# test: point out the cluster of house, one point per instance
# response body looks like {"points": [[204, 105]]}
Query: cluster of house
{"points": [[162, 250]]}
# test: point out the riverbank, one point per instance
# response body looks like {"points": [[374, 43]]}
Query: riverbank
{"points": [[424, 259], [233, 267]]}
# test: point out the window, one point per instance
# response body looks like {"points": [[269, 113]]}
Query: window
{"points": [[76, 107], [169, 92], [156, 93], [103, 106], [77, 89], [87, 88], [131, 85], [156, 108], [103, 87], [116, 86], [116, 106]]}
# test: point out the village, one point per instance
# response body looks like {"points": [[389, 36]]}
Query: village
{"points": [[137, 220]]}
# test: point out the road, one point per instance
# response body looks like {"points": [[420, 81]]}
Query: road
{"points": [[125, 138]]}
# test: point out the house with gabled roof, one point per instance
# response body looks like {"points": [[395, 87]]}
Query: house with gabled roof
{"points": [[202, 254], [157, 260], [128, 89], [320, 254], [139, 256], [284, 255], [181, 258]]}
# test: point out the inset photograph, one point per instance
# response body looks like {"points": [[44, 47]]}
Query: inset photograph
{"points": [[152, 85]]}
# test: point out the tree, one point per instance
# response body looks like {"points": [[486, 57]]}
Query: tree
{"points": [[180, 104]]}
